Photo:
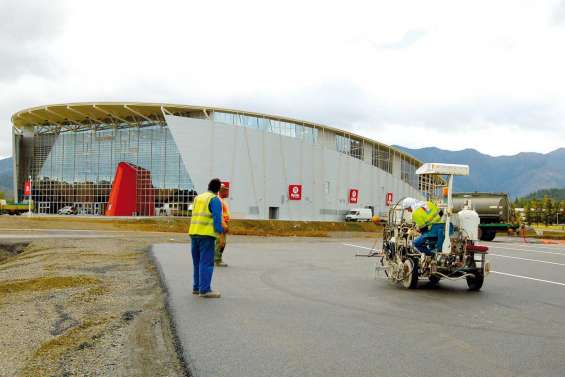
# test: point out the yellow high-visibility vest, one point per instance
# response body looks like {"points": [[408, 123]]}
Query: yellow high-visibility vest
{"points": [[427, 215], [202, 223]]}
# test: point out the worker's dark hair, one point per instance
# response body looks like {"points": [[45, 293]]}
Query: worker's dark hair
{"points": [[215, 185]]}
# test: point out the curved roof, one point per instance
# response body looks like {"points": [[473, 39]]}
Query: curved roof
{"points": [[86, 113]]}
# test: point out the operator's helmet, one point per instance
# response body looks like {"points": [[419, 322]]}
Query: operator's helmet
{"points": [[408, 203], [412, 204]]}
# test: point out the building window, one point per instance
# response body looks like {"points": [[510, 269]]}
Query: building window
{"points": [[348, 146], [408, 172], [279, 127], [382, 158]]}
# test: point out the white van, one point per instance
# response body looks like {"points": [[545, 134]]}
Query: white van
{"points": [[359, 214]]}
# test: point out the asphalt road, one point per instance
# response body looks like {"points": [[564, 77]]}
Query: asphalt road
{"points": [[295, 307]]}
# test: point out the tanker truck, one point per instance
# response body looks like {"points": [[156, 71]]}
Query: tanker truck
{"points": [[494, 209]]}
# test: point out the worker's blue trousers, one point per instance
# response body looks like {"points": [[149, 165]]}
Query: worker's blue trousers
{"points": [[203, 263], [434, 236]]}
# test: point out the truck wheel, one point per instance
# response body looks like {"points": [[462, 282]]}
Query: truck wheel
{"points": [[475, 283], [410, 280], [488, 235]]}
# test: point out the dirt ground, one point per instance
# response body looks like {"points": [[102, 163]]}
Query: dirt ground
{"points": [[95, 307], [81, 307]]}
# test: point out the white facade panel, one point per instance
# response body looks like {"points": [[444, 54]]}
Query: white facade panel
{"points": [[260, 166]]}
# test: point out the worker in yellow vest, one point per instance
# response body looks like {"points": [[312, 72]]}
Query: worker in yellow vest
{"points": [[205, 228], [221, 242], [427, 217]]}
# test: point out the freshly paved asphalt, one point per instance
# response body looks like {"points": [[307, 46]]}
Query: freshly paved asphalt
{"points": [[295, 307]]}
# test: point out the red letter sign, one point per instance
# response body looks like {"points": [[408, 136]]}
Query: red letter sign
{"points": [[27, 188], [294, 192], [388, 198], [353, 195]]}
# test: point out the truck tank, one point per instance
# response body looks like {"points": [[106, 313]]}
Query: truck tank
{"points": [[491, 207]]}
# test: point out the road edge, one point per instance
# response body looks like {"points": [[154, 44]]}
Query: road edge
{"points": [[185, 362]]}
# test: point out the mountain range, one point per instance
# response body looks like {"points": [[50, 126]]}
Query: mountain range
{"points": [[6, 181], [518, 175]]}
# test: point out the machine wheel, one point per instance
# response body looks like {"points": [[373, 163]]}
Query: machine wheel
{"points": [[486, 235], [411, 274], [475, 283], [434, 280]]}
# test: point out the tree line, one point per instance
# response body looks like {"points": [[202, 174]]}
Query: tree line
{"points": [[545, 211]]}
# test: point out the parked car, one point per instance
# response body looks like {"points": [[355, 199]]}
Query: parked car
{"points": [[67, 210]]}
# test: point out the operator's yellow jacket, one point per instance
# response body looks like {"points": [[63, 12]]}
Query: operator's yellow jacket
{"points": [[426, 215]]}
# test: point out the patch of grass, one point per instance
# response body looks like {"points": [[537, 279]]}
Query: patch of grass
{"points": [[46, 360], [181, 225], [552, 235], [46, 283], [297, 228]]}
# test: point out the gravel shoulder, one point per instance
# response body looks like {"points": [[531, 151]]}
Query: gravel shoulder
{"points": [[84, 307]]}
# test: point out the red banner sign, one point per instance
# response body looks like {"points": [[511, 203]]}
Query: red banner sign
{"points": [[388, 198], [27, 188], [294, 192], [353, 196]]}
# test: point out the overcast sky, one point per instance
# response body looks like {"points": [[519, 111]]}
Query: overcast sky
{"points": [[454, 74]]}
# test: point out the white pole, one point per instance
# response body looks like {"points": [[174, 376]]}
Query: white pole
{"points": [[446, 247], [29, 198]]}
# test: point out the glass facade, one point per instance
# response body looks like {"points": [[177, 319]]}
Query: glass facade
{"points": [[76, 168]]}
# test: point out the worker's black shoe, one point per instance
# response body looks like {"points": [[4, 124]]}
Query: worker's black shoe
{"points": [[194, 292], [211, 294]]}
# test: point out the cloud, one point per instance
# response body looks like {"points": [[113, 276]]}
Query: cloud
{"points": [[27, 28], [408, 39], [368, 67], [559, 13]]}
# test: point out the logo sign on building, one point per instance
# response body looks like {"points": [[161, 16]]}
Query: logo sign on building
{"points": [[353, 196], [27, 188], [388, 198], [294, 192], [226, 184]]}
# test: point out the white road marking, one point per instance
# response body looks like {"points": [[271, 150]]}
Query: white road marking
{"points": [[527, 259], [360, 247], [529, 245], [525, 250], [528, 278]]}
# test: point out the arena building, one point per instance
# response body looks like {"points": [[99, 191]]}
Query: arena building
{"points": [[151, 159]]}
